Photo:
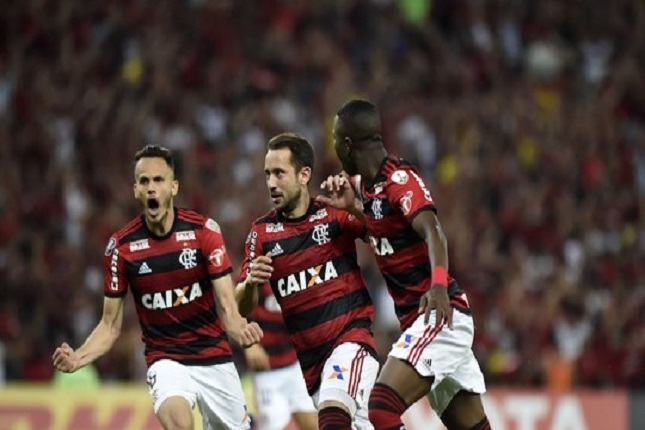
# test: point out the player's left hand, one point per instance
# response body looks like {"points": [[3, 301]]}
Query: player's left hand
{"points": [[245, 333], [437, 298]]}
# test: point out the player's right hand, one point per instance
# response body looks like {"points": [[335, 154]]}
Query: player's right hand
{"points": [[245, 333], [65, 359], [340, 193], [260, 270], [257, 358]]}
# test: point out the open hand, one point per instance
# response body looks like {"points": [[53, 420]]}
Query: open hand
{"points": [[340, 193], [436, 298]]}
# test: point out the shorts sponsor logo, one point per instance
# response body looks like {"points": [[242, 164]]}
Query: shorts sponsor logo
{"points": [[171, 298], [337, 372], [306, 279], [139, 245], [180, 236], [405, 342]]}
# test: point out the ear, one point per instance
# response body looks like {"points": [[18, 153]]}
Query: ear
{"points": [[347, 142], [134, 190], [175, 187], [305, 175]]}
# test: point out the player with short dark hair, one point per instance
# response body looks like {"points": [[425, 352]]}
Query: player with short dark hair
{"points": [[433, 359], [172, 259], [306, 251]]}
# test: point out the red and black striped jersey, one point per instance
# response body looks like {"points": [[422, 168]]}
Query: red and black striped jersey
{"points": [[317, 282], [390, 202], [170, 280], [276, 341]]}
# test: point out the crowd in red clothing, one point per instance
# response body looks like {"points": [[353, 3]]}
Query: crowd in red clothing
{"points": [[527, 119]]}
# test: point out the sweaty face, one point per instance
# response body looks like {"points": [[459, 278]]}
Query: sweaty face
{"points": [[342, 149], [155, 188], [282, 180]]}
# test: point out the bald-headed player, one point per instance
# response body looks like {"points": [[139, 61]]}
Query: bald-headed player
{"points": [[434, 354]]}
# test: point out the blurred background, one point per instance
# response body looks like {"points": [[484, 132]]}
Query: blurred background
{"points": [[525, 117]]}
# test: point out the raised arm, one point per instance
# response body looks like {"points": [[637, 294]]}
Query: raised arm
{"points": [[341, 195], [99, 342]]}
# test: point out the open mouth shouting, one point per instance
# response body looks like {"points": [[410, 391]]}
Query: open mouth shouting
{"points": [[153, 206]]}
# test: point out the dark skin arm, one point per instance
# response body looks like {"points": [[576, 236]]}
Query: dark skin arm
{"points": [[427, 226], [342, 196]]}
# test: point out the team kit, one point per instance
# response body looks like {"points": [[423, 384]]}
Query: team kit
{"points": [[299, 306]]}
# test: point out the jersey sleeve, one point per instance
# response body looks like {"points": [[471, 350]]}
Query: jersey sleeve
{"points": [[115, 283], [213, 247], [351, 225], [252, 248], [407, 192]]}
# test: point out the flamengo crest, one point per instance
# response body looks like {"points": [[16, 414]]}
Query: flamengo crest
{"points": [[321, 234], [188, 258]]}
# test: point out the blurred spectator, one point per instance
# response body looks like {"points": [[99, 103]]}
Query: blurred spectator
{"points": [[527, 118]]}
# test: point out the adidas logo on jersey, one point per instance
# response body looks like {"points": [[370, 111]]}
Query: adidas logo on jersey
{"points": [[144, 269], [277, 250]]}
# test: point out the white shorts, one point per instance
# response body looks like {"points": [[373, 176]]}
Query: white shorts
{"points": [[348, 377], [444, 354], [278, 394], [216, 389]]}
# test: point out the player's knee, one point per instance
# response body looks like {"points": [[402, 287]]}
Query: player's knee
{"points": [[464, 411], [334, 418], [385, 408], [482, 425], [179, 422], [176, 414]]}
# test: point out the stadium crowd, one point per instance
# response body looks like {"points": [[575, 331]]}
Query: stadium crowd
{"points": [[527, 118]]}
